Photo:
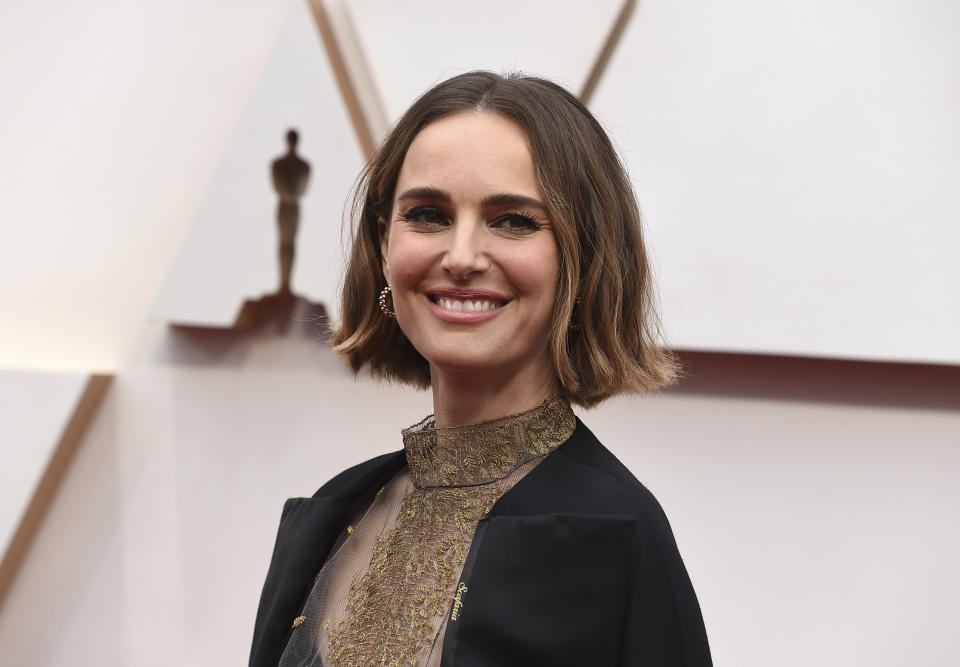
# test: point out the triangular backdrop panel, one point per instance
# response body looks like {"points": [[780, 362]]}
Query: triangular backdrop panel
{"points": [[37, 407], [43, 420], [798, 166], [230, 253], [407, 47]]}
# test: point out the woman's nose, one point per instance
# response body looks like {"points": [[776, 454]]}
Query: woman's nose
{"points": [[465, 253]]}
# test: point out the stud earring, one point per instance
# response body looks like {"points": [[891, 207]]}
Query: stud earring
{"points": [[383, 303]]}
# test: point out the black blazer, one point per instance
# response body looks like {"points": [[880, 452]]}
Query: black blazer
{"points": [[575, 565]]}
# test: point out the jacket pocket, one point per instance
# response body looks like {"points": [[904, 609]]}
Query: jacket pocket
{"points": [[544, 590]]}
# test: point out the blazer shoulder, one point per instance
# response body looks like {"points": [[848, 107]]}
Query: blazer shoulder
{"points": [[582, 477], [356, 479], [584, 448], [603, 480]]}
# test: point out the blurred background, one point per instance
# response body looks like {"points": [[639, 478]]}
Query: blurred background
{"points": [[798, 166]]}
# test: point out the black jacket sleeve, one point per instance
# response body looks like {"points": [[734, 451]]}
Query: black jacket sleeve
{"points": [[663, 625]]}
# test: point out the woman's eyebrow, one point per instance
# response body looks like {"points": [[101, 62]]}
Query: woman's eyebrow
{"points": [[490, 201], [426, 193], [507, 199]]}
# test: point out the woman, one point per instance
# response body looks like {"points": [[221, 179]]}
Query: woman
{"points": [[497, 260]]}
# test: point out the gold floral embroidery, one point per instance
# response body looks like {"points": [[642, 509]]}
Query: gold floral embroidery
{"points": [[458, 474], [484, 452]]}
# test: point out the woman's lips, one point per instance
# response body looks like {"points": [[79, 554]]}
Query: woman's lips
{"points": [[462, 310]]}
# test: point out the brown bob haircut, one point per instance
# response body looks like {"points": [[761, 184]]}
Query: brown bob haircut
{"points": [[604, 336]]}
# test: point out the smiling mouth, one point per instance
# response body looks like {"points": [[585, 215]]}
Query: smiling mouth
{"points": [[466, 305]]}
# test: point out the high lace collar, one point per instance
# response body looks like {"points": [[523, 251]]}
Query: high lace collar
{"points": [[482, 453]]}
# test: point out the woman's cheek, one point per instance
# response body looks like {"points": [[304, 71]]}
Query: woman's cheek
{"points": [[411, 261]]}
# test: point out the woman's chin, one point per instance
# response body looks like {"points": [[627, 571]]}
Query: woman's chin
{"points": [[461, 363], [461, 359]]}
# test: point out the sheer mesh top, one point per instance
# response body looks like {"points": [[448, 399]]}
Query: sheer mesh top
{"points": [[383, 596]]}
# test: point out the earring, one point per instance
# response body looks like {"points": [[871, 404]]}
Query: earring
{"points": [[383, 303]]}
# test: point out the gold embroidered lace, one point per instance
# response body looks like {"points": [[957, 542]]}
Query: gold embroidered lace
{"points": [[384, 596]]}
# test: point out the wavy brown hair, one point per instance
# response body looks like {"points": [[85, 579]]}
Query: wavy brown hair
{"points": [[605, 290]]}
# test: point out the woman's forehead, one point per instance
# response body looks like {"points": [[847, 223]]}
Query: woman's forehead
{"points": [[470, 152]]}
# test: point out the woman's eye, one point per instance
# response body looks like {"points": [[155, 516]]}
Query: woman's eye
{"points": [[425, 215], [516, 221]]}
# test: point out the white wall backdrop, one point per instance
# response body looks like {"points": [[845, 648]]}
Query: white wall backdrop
{"points": [[797, 165]]}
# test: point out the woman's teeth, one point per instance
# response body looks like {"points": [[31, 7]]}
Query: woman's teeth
{"points": [[466, 306]]}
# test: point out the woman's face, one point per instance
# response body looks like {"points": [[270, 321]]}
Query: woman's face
{"points": [[469, 251]]}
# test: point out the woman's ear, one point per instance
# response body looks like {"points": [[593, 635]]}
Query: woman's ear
{"points": [[383, 231]]}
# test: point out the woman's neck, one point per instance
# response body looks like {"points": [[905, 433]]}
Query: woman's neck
{"points": [[468, 397]]}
